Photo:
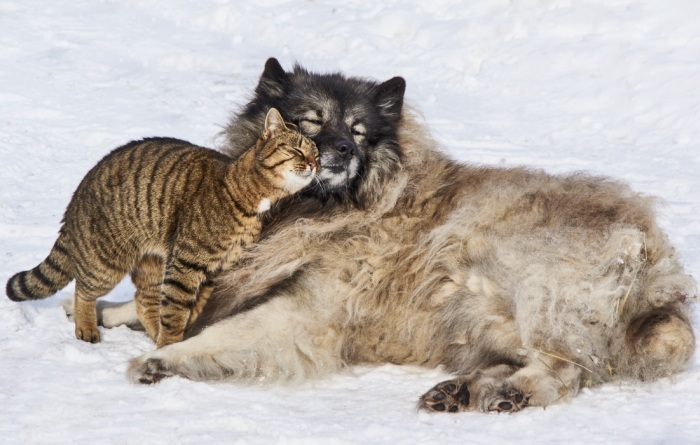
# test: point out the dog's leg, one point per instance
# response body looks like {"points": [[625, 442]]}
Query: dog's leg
{"points": [[656, 344], [279, 340], [542, 381], [460, 394], [110, 314]]}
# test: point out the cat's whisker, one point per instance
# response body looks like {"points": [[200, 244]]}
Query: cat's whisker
{"points": [[318, 184]]}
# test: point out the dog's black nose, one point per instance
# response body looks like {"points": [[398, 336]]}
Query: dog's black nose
{"points": [[346, 148]]}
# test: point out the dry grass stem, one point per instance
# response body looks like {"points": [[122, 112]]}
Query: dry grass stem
{"points": [[560, 358], [629, 289]]}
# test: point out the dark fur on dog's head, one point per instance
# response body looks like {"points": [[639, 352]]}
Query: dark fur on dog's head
{"points": [[353, 122]]}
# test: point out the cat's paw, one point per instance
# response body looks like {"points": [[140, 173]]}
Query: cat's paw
{"points": [[147, 370], [89, 334]]}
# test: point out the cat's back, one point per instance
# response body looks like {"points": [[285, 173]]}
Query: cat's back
{"points": [[156, 152], [142, 175], [151, 159]]}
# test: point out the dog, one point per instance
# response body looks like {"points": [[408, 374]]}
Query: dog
{"points": [[526, 286]]}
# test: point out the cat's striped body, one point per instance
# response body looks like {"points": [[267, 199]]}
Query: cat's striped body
{"points": [[173, 215]]}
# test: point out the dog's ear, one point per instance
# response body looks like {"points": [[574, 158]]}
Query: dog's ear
{"points": [[389, 97], [273, 81]]}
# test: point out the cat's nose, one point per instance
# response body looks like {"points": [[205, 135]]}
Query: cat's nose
{"points": [[312, 163]]}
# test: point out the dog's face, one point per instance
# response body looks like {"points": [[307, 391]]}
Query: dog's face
{"points": [[352, 121]]}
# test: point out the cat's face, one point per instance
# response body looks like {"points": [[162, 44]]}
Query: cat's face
{"points": [[291, 159]]}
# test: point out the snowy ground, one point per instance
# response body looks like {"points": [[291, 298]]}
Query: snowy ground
{"points": [[609, 86]]}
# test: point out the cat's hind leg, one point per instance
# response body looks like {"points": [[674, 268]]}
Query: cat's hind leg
{"points": [[96, 274], [110, 314], [85, 308], [85, 315]]}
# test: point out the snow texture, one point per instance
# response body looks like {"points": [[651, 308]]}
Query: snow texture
{"points": [[606, 86]]}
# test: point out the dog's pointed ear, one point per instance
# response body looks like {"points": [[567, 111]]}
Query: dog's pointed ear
{"points": [[273, 81], [389, 97]]}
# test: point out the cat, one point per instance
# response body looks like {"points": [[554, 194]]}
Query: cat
{"points": [[173, 215]]}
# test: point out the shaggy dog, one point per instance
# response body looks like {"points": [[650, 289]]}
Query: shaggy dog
{"points": [[525, 285]]}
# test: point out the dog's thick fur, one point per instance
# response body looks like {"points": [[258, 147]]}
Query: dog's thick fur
{"points": [[526, 286]]}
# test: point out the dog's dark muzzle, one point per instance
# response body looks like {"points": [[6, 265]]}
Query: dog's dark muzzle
{"points": [[346, 149], [336, 155]]}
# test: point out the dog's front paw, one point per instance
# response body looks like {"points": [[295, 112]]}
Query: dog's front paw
{"points": [[147, 370], [69, 307]]}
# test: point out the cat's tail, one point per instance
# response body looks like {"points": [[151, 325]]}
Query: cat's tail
{"points": [[53, 274]]}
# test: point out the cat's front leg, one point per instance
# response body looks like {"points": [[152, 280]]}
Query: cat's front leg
{"points": [[147, 276], [205, 290], [178, 297]]}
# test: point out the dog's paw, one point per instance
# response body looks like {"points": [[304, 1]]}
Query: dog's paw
{"points": [[69, 307], [147, 370], [505, 400], [450, 396]]}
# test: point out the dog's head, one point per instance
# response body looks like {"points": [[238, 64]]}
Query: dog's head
{"points": [[353, 122]]}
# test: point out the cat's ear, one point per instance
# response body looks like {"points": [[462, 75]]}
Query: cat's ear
{"points": [[273, 81], [389, 97], [274, 123]]}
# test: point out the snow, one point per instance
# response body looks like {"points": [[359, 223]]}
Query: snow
{"points": [[607, 86]]}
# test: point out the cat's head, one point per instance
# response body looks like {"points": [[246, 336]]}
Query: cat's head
{"points": [[290, 160]]}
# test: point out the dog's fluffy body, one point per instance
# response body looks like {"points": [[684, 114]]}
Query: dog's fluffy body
{"points": [[525, 285]]}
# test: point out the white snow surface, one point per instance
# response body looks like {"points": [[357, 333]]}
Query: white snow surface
{"points": [[606, 86]]}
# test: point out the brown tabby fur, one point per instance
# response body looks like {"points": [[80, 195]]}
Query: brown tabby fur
{"points": [[174, 215]]}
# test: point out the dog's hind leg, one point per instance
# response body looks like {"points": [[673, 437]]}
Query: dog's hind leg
{"points": [[504, 388], [656, 344]]}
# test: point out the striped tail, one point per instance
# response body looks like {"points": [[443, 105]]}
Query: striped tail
{"points": [[45, 279]]}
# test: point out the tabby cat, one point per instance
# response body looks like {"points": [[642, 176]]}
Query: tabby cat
{"points": [[173, 215]]}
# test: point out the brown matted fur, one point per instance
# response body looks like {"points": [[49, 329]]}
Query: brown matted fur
{"points": [[527, 286]]}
